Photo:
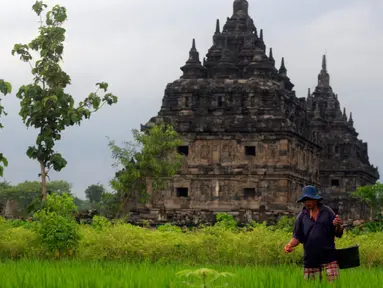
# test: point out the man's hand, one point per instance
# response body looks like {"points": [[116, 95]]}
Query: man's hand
{"points": [[289, 248], [337, 221]]}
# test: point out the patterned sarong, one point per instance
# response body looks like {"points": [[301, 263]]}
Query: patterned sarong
{"points": [[332, 272]]}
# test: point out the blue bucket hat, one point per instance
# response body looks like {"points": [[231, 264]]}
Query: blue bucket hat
{"points": [[309, 192]]}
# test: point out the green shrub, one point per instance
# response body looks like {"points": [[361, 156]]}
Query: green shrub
{"points": [[2, 220], [17, 243], [210, 245], [226, 221], [369, 227], [56, 227], [17, 223], [285, 224], [169, 228], [100, 222]]}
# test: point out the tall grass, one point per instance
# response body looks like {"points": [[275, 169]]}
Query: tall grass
{"points": [[212, 245], [77, 274]]}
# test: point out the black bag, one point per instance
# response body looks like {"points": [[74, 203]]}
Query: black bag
{"points": [[348, 257]]}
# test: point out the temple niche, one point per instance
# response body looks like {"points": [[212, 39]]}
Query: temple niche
{"points": [[250, 143]]}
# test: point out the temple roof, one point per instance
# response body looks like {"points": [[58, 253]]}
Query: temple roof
{"points": [[237, 52]]}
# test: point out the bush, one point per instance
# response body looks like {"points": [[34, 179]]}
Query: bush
{"points": [[17, 243], [226, 221], [285, 224], [17, 223], [100, 222], [257, 245], [369, 227], [56, 227], [169, 228]]}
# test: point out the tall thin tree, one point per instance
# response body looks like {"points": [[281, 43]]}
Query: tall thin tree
{"points": [[44, 103]]}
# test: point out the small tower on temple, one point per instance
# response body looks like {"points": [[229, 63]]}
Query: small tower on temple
{"points": [[283, 73], [241, 7], [282, 69], [217, 28], [193, 68], [351, 121], [271, 57], [324, 77], [259, 43]]}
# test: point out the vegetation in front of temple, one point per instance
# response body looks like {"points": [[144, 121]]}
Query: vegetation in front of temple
{"points": [[55, 234]]}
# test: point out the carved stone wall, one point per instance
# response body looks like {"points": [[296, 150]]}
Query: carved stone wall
{"points": [[219, 175]]}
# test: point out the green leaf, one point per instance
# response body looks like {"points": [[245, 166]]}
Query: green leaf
{"points": [[9, 87], [51, 99], [4, 160], [32, 152], [5, 87], [74, 118], [38, 7], [103, 86], [58, 162]]}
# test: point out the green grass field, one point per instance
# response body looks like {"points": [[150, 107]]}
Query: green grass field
{"points": [[28, 274]]}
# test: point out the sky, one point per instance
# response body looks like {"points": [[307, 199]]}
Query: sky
{"points": [[139, 46]]}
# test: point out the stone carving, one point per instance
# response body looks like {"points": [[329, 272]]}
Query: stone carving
{"points": [[205, 150], [206, 189]]}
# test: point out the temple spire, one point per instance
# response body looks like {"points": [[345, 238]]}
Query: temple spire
{"points": [[324, 64], [308, 93], [324, 77], [217, 28], [344, 114], [193, 67], [271, 53], [271, 57], [194, 48], [241, 5], [283, 70], [351, 121], [283, 73]]}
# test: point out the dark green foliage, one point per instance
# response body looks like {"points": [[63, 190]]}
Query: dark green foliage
{"points": [[372, 195], [5, 88], [149, 160], [94, 193], [368, 227], [100, 223], [26, 194], [285, 224], [44, 103], [169, 228], [226, 221]]}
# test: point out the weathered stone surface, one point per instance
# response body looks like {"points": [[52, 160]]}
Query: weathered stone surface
{"points": [[251, 143], [344, 163]]}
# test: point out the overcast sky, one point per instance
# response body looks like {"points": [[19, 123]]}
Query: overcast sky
{"points": [[138, 47]]}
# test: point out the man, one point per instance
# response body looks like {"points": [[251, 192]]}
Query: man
{"points": [[316, 227]]}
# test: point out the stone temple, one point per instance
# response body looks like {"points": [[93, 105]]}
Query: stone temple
{"points": [[250, 143]]}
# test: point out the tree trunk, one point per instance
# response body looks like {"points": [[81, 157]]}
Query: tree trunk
{"points": [[371, 212], [43, 182], [126, 204]]}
